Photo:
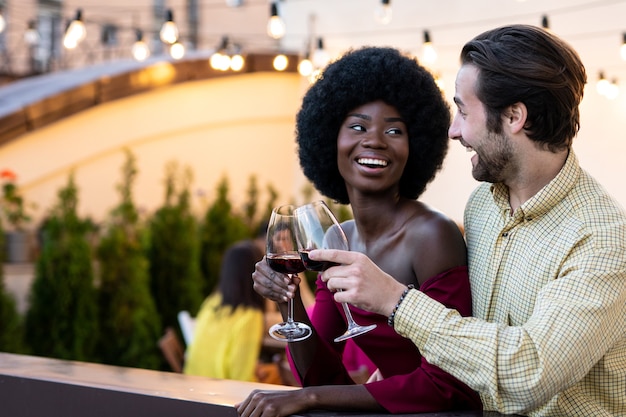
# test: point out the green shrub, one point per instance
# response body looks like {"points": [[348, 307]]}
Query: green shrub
{"points": [[62, 319], [11, 329], [175, 277], [220, 229], [129, 323]]}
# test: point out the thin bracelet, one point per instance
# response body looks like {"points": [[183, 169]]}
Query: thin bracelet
{"points": [[392, 316]]}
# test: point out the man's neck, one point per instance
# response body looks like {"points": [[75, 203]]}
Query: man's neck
{"points": [[536, 172]]}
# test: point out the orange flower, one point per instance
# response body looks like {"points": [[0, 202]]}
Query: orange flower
{"points": [[8, 175], [12, 203]]}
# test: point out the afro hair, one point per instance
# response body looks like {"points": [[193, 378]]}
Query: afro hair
{"points": [[359, 77]]}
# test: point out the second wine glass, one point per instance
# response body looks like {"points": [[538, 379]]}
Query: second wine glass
{"points": [[316, 227]]}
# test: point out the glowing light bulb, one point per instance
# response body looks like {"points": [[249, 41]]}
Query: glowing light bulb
{"points": [[603, 85], [280, 62], [275, 26], [305, 67], [177, 50], [169, 30], [237, 62], [383, 12], [140, 49], [429, 54], [320, 57]]}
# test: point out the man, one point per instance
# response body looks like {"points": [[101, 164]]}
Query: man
{"points": [[546, 244]]}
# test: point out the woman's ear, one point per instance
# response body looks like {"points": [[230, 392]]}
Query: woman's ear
{"points": [[515, 117]]}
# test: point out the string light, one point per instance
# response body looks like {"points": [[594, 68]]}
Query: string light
{"points": [[177, 50], [605, 88], [280, 62], [237, 62], [320, 56], [305, 66], [383, 12], [140, 49], [429, 54], [545, 23], [275, 25], [169, 30], [623, 48], [31, 36], [227, 56], [3, 22], [75, 32]]}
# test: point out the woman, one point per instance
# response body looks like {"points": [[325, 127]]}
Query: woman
{"points": [[230, 324], [372, 132]]}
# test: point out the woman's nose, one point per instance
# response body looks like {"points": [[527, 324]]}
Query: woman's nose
{"points": [[374, 139]]}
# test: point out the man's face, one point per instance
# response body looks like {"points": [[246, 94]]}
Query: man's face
{"points": [[492, 151]]}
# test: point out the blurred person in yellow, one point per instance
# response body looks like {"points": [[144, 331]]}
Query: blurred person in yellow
{"points": [[230, 324]]}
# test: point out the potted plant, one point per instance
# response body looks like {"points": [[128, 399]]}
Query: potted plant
{"points": [[16, 218]]}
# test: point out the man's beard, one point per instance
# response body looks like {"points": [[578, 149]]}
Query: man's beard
{"points": [[494, 158]]}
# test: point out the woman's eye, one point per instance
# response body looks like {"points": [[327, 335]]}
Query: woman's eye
{"points": [[394, 131], [359, 128]]}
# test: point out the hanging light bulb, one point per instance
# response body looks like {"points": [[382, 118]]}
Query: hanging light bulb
{"points": [[544, 22], [237, 62], [320, 56], [169, 30], [275, 26], [177, 50], [31, 36], [75, 32], [140, 49], [429, 54], [602, 86], [623, 48], [3, 23], [280, 62], [305, 66], [383, 12]]}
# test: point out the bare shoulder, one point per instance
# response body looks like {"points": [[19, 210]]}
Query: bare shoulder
{"points": [[438, 241]]}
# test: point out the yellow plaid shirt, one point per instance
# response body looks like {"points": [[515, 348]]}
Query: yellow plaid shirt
{"points": [[548, 337]]}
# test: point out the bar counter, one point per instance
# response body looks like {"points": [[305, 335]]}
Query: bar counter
{"points": [[33, 386]]}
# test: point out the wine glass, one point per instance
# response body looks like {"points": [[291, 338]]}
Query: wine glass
{"points": [[282, 256], [316, 227]]}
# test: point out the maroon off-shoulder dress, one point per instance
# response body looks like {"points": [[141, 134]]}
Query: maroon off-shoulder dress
{"points": [[410, 384]]}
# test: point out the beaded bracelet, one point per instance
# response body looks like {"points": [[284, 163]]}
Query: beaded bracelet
{"points": [[392, 316]]}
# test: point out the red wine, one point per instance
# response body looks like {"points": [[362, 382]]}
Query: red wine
{"points": [[312, 265], [286, 263]]}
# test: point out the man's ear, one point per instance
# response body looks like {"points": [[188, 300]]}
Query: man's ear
{"points": [[515, 117]]}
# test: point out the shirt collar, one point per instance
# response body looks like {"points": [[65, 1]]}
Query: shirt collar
{"points": [[548, 196]]}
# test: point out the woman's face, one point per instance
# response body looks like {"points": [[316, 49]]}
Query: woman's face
{"points": [[372, 148], [282, 241]]}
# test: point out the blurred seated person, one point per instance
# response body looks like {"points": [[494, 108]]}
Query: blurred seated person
{"points": [[230, 324]]}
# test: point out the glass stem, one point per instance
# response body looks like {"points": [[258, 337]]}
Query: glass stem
{"points": [[346, 310], [290, 306]]}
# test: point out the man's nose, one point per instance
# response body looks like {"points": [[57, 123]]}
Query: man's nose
{"points": [[454, 132]]}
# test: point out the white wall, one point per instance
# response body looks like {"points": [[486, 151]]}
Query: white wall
{"points": [[234, 126]]}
